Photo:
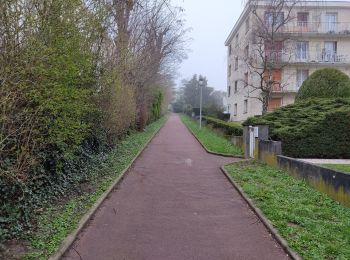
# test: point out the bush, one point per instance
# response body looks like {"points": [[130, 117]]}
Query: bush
{"points": [[156, 107], [229, 128], [325, 83], [46, 130], [317, 128]]}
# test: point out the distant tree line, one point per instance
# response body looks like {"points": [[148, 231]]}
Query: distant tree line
{"points": [[187, 97]]}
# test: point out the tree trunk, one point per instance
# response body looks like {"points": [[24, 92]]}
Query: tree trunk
{"points": [[265, 104]]}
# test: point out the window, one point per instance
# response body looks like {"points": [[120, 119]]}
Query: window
{"points": [[229, 70], [229, 50], [236, 86], [277, 79], [247, 25], [235, 110], [236, 63], [245, 107], [237, 39], [246, 51], [329, 53], [274, 51], [302, 52], [273, 19], [302, 20], [331, 22], [274, 103], [229, 91], [302, 75], [246, 79], [268, 18]]}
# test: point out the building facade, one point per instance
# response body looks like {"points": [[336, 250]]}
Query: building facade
{"points": [[316, 35]]}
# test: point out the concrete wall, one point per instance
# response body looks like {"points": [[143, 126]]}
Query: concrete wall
{"points": [[265, 150], [238, 141], [269, 151], [331, 182]]}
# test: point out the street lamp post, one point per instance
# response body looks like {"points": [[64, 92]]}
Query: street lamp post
{"points": [[201, 83]]}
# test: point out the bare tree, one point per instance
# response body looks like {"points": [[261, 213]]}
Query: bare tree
{"points": [[149, 40], [269, 50]]}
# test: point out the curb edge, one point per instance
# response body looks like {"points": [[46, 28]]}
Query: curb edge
{"points": [[209, 151], [69, 240], [283, 243]]}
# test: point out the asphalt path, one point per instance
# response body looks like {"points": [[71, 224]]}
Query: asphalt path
{"points": [[175, 204]]}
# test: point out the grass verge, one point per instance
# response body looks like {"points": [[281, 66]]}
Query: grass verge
{"points": [[339, 167], [314, 225], [58, 221], [211, 140]]}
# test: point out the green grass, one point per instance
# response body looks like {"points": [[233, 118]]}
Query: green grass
{"points": [[58, 221], [339, 167], [314, 225], [211, 140]]}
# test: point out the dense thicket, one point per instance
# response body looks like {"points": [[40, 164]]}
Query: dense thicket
{"points": [[317, 128], [325, 83], [75, 75]]}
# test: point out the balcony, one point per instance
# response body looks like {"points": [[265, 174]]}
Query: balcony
{"points": [[321, 57], [276, 88], [316, 28]]}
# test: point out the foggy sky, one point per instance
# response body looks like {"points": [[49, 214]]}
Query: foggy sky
{"points": [[211, 22]]}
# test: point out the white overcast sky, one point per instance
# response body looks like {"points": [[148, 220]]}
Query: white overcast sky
{"points": [[211, 23]]}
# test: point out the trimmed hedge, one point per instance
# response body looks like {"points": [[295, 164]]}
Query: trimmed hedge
{"points": [[325, 83], [229, 128], [317, 128]]}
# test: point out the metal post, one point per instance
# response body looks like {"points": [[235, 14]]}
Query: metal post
{"points": [[201, 83], [200, 108]]}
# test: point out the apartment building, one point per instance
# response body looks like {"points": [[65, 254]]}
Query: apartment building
{"points": [[317, 35]]}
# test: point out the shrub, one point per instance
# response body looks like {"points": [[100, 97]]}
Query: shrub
{"points": [[156, 108], [118, 108], [230, 128], [317, 128], [325, 83]]}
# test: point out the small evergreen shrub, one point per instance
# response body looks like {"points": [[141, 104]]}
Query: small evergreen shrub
{"points": [[325, 83], [229, 128], [317, 128]]}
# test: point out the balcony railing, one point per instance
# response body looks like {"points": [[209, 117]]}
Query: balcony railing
{"points": [[320, 57], [306, 57], [276, 87], [314, 27]]}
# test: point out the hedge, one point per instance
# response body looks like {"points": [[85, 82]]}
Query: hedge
{"points": [[229, 128], [325, 83], [317, 128]]}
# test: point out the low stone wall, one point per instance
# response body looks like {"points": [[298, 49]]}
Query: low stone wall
{"points": [[334, 183], [268, 151], [238, 141]]}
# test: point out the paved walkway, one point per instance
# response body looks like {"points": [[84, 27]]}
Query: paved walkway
{"points": [[175, 204]]}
